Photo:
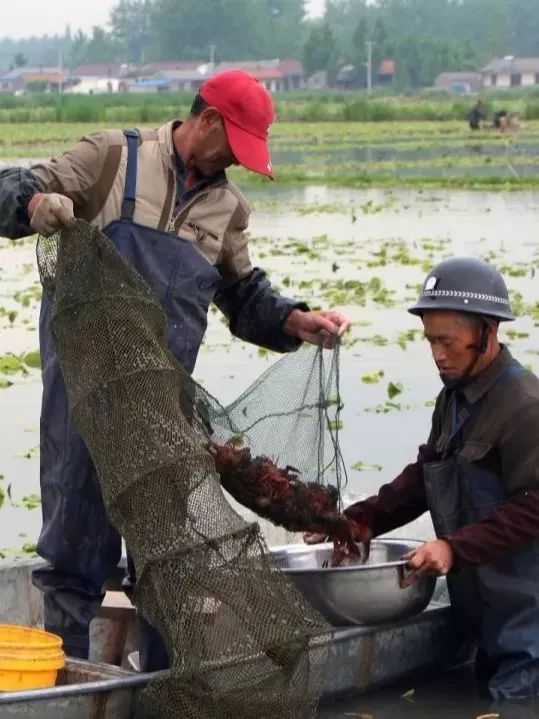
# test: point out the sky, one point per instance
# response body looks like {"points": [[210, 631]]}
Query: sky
{"points": [[24, 18]]}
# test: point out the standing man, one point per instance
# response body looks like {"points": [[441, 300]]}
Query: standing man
{"points": [[475, 115], [163, 198], [478, 475]]}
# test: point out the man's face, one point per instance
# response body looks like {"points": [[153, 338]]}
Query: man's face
{"points": [[210, 150], [450, 336]]}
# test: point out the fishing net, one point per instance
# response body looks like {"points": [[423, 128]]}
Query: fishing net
{"points": [[243, 643]]}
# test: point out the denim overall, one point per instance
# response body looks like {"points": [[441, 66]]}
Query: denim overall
{"points": [[77, 539]]}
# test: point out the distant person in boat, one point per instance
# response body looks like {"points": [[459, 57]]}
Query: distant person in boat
{"points": [[477, 114], [478, 475]]}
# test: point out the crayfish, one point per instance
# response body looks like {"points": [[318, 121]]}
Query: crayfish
{"points": [[279, 496]]}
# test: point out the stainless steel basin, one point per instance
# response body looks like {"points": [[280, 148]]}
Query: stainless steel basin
{"points": [[369, 593]]}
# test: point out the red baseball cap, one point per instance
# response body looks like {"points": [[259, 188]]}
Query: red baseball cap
{"points": [[247, 110]]}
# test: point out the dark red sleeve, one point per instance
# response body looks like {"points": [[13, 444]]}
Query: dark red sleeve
{"points": [[397, 503], [511, 526]]}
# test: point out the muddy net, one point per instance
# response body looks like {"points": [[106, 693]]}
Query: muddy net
{"points": [[243, 642]]}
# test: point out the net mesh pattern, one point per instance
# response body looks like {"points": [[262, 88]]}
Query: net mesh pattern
{"points": [[243, 642]]}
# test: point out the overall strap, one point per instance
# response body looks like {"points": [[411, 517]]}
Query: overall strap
{"points": [[513, 369], [130, 189], [460, 416]]}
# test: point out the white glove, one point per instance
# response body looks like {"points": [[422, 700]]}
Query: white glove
{"points": [[52, 212]]}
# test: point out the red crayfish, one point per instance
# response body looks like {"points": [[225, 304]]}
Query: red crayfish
{"points": [[279, 496]]}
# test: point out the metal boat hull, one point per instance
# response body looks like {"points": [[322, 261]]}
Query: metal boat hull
{"points": [[360, 658]]}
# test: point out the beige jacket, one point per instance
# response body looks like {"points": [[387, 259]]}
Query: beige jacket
{"points": [[93, 173]]}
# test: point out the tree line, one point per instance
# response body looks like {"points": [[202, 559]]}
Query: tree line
{"points": [[424, 37]]}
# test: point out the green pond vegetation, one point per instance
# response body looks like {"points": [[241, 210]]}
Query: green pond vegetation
{"points": [[430, 153]]}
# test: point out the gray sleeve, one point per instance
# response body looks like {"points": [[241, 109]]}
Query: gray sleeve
{"points": [[85, 173], [17, 185]]}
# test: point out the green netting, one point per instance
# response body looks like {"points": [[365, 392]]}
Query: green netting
{"points": [[243, 642]]}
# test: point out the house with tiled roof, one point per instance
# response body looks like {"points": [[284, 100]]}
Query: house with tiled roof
{"points": [[276, 75], [509, 71], [18, 80]]}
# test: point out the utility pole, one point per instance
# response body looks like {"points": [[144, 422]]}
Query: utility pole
{"points": [[60, 71], [369, 44], [212, 56], [145, 31]]}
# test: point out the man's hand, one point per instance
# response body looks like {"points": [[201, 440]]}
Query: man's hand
{"points": [[49, 212], [317, 327], [435, 557]]}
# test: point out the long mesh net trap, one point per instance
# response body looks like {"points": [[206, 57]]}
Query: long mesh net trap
{"points": [[243, 642]]}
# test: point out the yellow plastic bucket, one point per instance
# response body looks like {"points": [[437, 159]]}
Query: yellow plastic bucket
{"points": [[29, 658]]}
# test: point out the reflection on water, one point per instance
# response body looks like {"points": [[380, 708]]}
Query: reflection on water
{"points": [[380, 153], [460, 159], [452, 695]]}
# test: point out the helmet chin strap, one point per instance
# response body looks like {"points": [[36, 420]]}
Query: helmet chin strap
{"points": [[480, 349]]}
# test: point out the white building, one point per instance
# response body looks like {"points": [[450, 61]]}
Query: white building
{"points": [[97, 86], [510, 72]]}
